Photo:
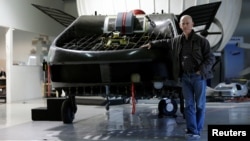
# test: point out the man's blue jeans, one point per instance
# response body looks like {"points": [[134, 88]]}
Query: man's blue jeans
{"points": [[194, 92]]}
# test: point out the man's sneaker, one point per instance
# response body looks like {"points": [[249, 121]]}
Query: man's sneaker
{"points": [[192, 136]]}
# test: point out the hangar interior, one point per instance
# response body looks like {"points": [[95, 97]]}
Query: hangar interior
{"points": [[30, 103]]}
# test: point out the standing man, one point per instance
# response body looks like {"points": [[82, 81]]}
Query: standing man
{"points": [[192, 64]]}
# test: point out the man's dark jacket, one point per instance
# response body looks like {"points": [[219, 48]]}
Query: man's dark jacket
{"points": [[201, 53]]}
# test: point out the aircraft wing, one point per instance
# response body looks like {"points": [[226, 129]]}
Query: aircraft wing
{"points": [[63, 18], [204, 18], [202, 14]]}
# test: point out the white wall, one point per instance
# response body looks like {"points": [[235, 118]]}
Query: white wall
{"points": [[22, 46], [112, 7], [70, 7], [20, 14], [26, 83]]}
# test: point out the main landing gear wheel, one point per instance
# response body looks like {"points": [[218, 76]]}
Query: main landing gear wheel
{"points": [[68, 111], [167, 107], [107, 106]]}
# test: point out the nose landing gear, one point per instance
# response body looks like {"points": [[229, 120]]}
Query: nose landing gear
{"points": [[68, 110]]}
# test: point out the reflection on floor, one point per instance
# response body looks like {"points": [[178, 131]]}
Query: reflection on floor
{"points": [[95, 123]]}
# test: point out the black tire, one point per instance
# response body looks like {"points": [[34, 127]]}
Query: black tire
{"points": [[67, 112], [248, 94], [107, 106], [167, 107]]}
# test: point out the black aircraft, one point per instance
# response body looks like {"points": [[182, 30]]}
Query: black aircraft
{"points": [[100, 55]]}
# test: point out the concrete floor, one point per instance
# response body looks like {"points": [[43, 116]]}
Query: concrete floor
{"points": [[118, 124]]}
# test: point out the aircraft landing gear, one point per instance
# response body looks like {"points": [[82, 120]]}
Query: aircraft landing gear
{"points": [[68, 110], [167, 107]]}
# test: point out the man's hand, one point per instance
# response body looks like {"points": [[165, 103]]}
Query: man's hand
{"points": [[148, 46]]}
